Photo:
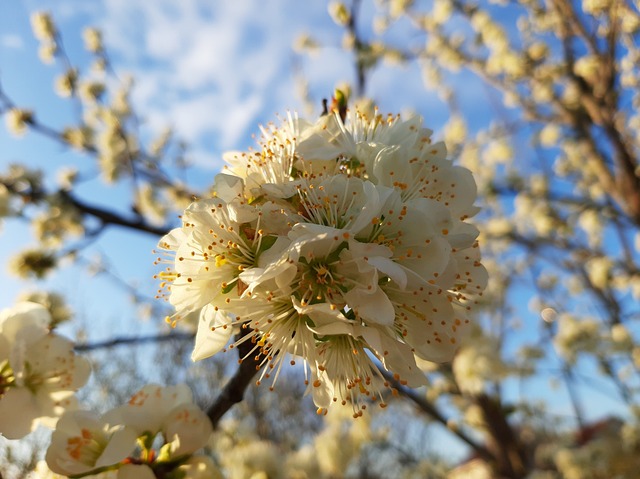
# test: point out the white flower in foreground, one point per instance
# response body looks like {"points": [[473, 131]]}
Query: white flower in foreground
{"points": [[83, 442], [167, 410], [157, 430], [186, 429], [146, 410], [39, 372], [344, 243]]}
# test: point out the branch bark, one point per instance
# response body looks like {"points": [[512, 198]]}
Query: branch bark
{"points": [[128, 341], [233, 392]]}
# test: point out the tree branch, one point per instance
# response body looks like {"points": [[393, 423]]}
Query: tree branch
{"points": [[425, 406], [233, 391], [108, 217], [127, 341]]}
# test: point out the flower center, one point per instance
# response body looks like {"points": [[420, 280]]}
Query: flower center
{"points": [[87, 447]]}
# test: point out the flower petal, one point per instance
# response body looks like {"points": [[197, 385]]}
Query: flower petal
{"points": [[214, 332]]}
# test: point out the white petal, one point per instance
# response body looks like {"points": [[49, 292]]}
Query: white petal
{"points": [[135, 471], [208, 341], [173, 239], [392, 269], [148, 407], [188, 428], [25, 321], [18, 411], [228, 187], [120, 446], [374, 307], [322, 391]]}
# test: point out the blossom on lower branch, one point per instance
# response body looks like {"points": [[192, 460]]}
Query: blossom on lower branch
{"points": [[159, 429], [343, 243], [39, 371]]}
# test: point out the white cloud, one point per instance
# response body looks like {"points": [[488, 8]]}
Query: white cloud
{"points": [[213, 70], [208, 69], [11, 40]]}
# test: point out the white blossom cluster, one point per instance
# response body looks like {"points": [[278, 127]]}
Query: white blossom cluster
{"points": [[156, 432], [343, 242], [39, 371]]}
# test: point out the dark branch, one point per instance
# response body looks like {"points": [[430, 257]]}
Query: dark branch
{"points": [[233, 392], [109, 218], [430, 410], [111, 343]]}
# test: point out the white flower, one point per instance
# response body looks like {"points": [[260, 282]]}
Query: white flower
{"points": [[186, 428], [148, 408], [124, 440], [83, 442], [18, 120], [337, 242], [39, 372], [219, 239], [477, 364], [43, 27], [92, 39]]}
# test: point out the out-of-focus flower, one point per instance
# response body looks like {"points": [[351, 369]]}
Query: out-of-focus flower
{"points": [[55, 304], [66, 83], [199, 467], [159, 429], [47, 52], [149, 205], [255, 459], [478, 363], [92, 40], [83, 442], [39, 371], [305, 43], [66, 177], [58, 222], [42, 471], [91, 91], [576, 335], [43, 27], [339, 13], [5, 201], [18, 120]]}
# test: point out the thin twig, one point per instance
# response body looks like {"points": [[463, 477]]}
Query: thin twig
{"points": [[135, 340], [425, 406]]}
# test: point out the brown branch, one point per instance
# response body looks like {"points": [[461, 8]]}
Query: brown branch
{"points": [[511, 460], [359, 47], [430, 410], [110, 218], [233, 391], [132, 341]]}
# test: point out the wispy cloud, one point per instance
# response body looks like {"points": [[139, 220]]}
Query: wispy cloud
{"points": [[212, 70], [11, 40]]}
